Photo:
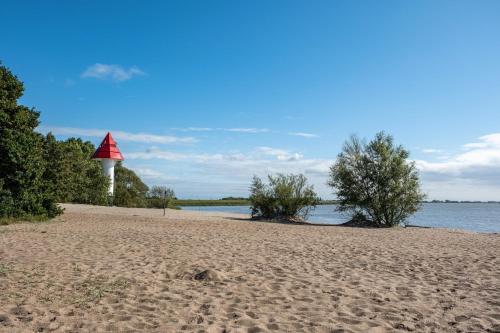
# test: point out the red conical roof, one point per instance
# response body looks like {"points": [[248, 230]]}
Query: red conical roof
{"points": [[108, 149]]}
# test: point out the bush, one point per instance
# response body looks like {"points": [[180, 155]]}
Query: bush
{"points": [[286, 197], [161, 195], [375, 181], [130, 191], [23, 190]]}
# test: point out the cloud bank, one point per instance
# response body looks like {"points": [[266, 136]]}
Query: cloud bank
{"points": [[473, 174], [119, 135], [473, 162], [111, 72], [213, 129], [228, 173], [304, 135]]}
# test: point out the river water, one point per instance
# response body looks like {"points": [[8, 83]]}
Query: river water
{"points": [[480, 217]]}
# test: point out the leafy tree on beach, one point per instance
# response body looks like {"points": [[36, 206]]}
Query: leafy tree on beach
{"points": [[130, 191], [285, 197], [376, 182], [160, 195], [72, 174], [23, 190]]}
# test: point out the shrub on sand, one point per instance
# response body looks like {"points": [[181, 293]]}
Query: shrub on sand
{"points": [[376, 182], [285, 197]]}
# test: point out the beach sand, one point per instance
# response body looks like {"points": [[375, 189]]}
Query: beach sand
{"points": [[101, 269]]}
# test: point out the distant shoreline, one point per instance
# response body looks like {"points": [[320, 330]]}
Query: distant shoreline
{"points": [[246, 202]]}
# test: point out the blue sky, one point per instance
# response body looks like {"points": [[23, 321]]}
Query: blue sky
{"points": [[201, 95]]}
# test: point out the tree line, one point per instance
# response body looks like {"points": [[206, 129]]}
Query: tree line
{"points": [[38, 171]]}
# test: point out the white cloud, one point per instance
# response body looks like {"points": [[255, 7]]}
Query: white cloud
{"points": [[224, 174], [111, 72], [148, 174], [478, 167], [280, 154], [158, 154], [119, 135], [261, 158], [304, 135], [432, 151], [259, 155], [210, 129], [197, 129], [490, 140], [479, 155], [247, 130], [473, 174]]}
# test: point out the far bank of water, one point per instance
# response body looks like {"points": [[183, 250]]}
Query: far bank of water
{"points": [[480, 217]]}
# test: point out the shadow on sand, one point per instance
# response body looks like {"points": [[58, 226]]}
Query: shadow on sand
{"points": [[348, 224]]}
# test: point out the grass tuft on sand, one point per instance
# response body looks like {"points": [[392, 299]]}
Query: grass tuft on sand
{"points": [[93, 289], [4, 269]]}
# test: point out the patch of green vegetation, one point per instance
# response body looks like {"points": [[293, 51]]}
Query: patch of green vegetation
{"points": [[95, 288], [389, 192], [6, 220], [284, 197], [220, 202], [25, 218], [4, 269]]}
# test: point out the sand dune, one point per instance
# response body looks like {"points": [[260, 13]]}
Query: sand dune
{"points": [[98, 269]]}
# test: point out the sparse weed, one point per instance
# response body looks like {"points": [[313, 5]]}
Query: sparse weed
{"points": [[4, 269], [93, 289]]}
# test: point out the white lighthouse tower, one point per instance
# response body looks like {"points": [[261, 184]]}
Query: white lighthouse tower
{"points": [[108, 153]]}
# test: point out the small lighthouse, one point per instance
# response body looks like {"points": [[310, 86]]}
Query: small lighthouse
{"points": [[108, 153]]}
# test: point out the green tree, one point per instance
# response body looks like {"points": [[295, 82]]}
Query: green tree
{"points": [[72, 174], [130, 191], [23, 191], [158, 195], [376, 182], [285, 197]]}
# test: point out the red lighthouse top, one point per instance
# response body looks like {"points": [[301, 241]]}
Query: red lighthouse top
{"points": [[108, 149]]}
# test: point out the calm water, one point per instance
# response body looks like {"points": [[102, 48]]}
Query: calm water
{"points": [[479, 217]]}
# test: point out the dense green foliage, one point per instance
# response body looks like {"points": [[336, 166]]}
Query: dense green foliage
{"points": [[161, 196], [235, 198], [36, 172], [72, 175], [23, 190], [375, 182], [286, 197], [130, 191]]}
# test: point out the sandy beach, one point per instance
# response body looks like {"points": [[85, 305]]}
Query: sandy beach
{"points": [[100, 269]]}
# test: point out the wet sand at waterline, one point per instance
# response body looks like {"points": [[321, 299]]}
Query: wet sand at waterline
{"points": [[101, 269]]}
